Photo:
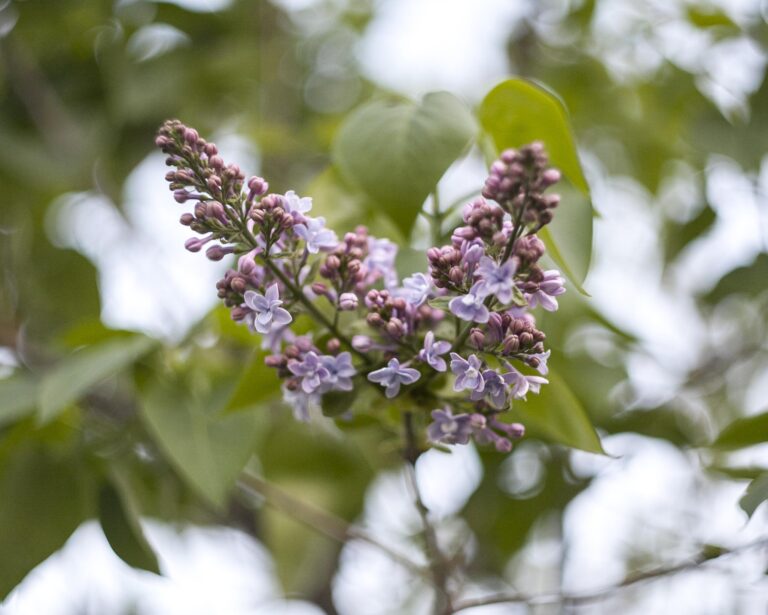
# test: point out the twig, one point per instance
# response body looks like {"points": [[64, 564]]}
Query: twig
{"points": [[704, 556], [437, 562], [324, 522]]}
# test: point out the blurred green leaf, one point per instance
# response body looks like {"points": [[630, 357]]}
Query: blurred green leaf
{"points": [[396, 152], [44, 499], [518, 111], [257, 384], [74, 375], [569, 235], [746, 431], [756, 494], [18, 397], [678, 236], [556, 415], [709, 17], [748, 280], [123, 531], [207, 449]]}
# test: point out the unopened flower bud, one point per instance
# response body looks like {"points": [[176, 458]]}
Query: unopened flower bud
{"points": [[362, 343], [348, 301], [275, 360], [333, 345], [238, 313], [526, 339], [319, 289], [257, 186], [238, 284], [456, 275], [187, 219], [511, 344], [477, 338], [217, 252], [181, 196]]}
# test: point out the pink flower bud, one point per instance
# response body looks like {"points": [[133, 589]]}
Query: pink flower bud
{"points": [[348, 301]]}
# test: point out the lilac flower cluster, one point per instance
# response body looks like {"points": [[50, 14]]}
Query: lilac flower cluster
{"points": [[467, 319]]}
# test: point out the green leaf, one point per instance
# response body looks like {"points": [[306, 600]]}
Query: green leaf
{"points": [[396, 152], [76, 374], [123, 531], [748, 280], [556, 415], [518, 111], [18, 397], [337, 403], [257, 384], [43, 500], [743, 432], [553, 250], [207, 449], [756, 494], [709, 17], [440, 303]]}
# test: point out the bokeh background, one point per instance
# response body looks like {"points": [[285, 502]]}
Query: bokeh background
{"points": [[670, 107]]}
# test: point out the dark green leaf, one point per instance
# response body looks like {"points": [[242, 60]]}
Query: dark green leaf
{"points": [[556, 415], [746, 431], [207, 449], [337, 403], [678, 236], [517, 112], [396, 152], [756, 494], [44, 500], [76, 374], [123, 531]]}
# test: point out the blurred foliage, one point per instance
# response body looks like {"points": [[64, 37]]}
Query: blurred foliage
{"points": [[107, 424]]}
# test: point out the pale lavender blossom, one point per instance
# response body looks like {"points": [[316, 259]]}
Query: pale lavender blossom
{"points": [[316, 236], [520, 384], [295, 205], [549, 288], [449, 428], [432, 350], [495, 279], [381, 261], [494, 389], [416, 289], [469, 307], [300, 403], [311, 370], [393, 375], [340, 372], [266, 313], [468, 373]]}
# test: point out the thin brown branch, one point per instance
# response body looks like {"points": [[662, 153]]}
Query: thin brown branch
{"points": [[322, 521], [438, 563], [704, 556]]}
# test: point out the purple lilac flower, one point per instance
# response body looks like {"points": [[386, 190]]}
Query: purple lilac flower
{"points": [[539, 362], [311, 370], [300, 402], [449, 428], [392, 376], [273, 341], [495, 279], [296, 205], [314, 233], [381, 261], [416, 288], [469, 307], [520, 384], [266, 313], [494, 388], [340, 372], [549, 288], [432, 350], [485, 435], [468, 373]]}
